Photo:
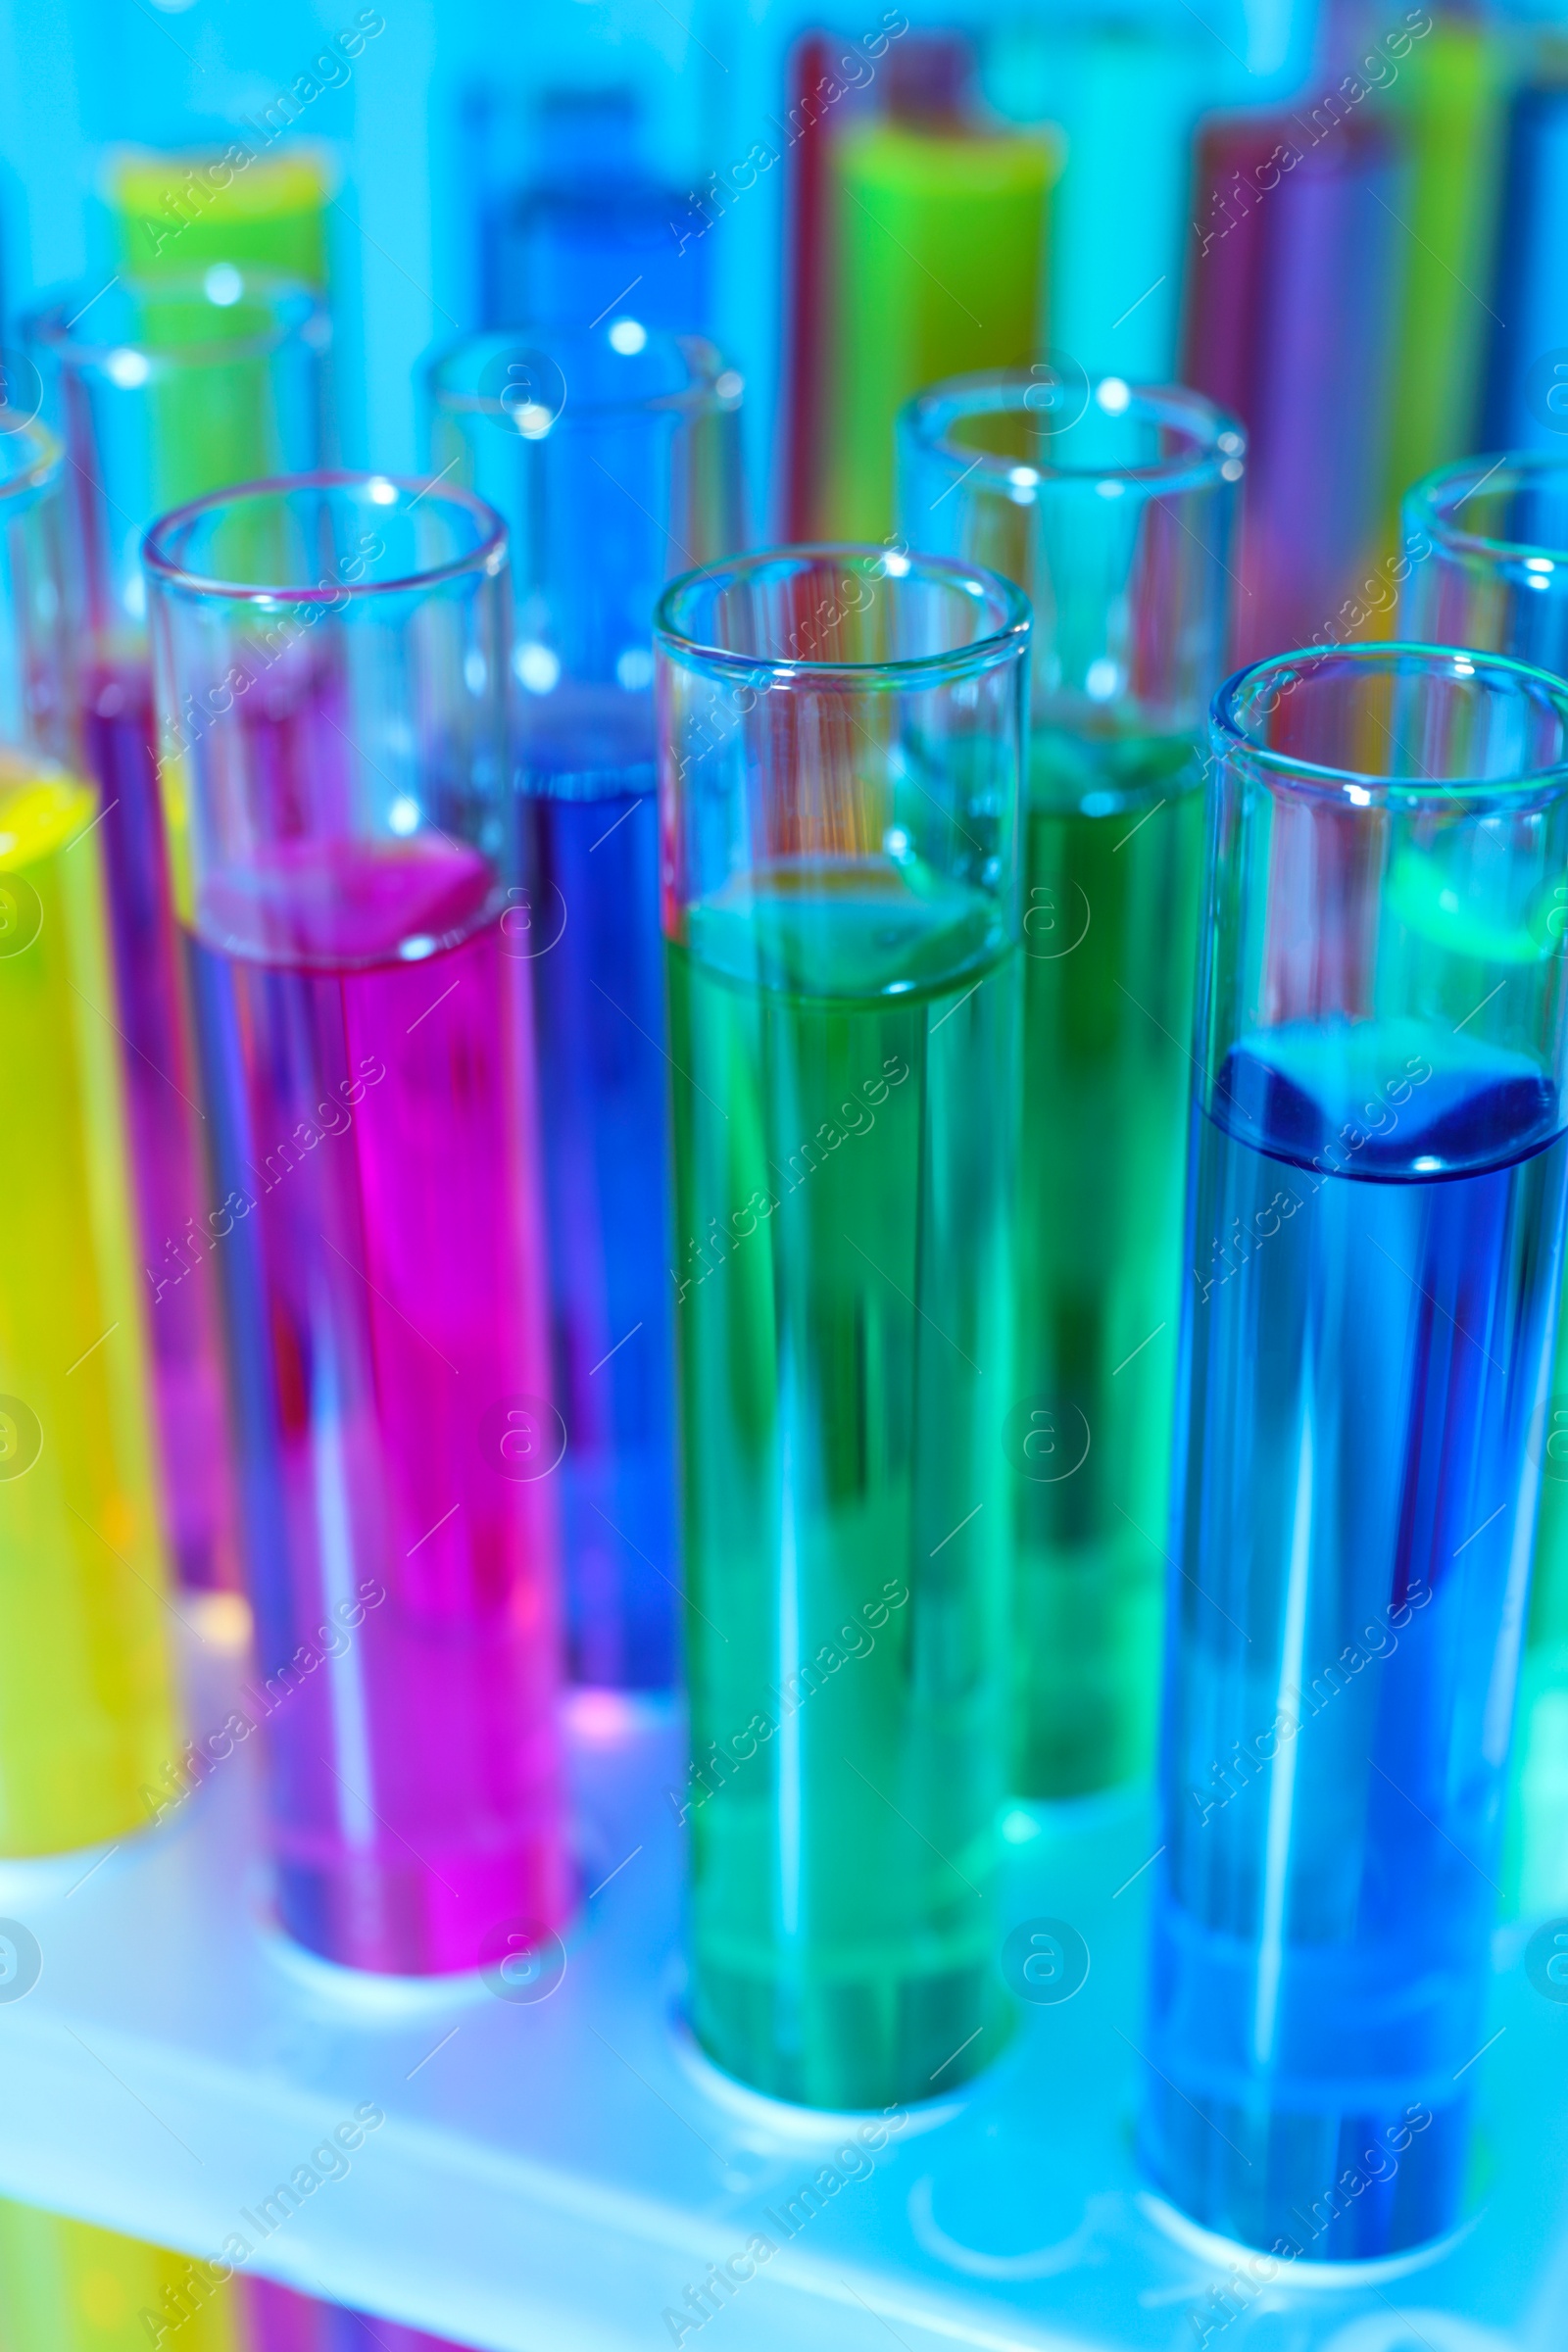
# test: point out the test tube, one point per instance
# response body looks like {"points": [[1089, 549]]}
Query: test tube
{"points": [[1449, 99], [840, 749], [87, 1721], [1484, 550], [166, 392], [591, 224], [1374, 1224], [615, 459], [330, 658], [69, 2286], [939, 266], [1290, 309], [1526, 371], [178, 213], [1114, 506]]}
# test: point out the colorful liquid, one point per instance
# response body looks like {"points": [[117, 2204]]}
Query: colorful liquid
{"points": [[843, 1177], [69, 2286], [590, 824], [1110, 931], [86, 1709], [278, 2320], [1364, 1341], [160, 1092], [363, 1034]]}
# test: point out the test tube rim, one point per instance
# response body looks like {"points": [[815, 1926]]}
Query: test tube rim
{"points": [[19, 490], [1425, 508], [1218, 438], [1008, 641], [298, 313], [704, 363], [1363, 789], [484, 560]]}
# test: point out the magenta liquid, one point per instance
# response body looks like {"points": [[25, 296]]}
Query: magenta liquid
{"points": [[363, 1034], [161, 1098]]}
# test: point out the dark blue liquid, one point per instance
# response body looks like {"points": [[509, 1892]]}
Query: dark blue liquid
{"points": [[1375, 1231], [590, 825]]}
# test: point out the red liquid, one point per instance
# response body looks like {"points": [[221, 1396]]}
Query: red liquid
{"points": [[364, 1040], [161, 1098]]}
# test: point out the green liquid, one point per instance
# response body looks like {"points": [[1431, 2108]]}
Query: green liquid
{"points": [[844, 1065], [1110, 928]]}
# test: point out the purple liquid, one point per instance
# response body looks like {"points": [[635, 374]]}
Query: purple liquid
{"points": [[283, 2320], [364, 1035], [161, 1087]]}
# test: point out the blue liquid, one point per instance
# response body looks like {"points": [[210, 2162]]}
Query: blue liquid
{"points": [[590, 827], [1375, 1217]]}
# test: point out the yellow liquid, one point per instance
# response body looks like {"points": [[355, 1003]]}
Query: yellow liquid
{"points": [[86, 1709], [67, 2286]]}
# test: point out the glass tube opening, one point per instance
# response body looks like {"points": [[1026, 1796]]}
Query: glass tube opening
{"points": [[1363, 718], [1510, 511], [136, 334], [1027, 430], [527, 382], [29, 461], [820, 612], [324, 537]]}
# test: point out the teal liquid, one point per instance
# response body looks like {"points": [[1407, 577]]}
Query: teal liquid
{"points": [[844, 1072], [1110, 928]]}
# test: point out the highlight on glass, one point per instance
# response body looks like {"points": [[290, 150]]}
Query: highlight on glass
{"points": [[1113, 506], [615, 459], [88, 1716], [330, 658], [1374, 1238], [840, 748], [166, 391]]}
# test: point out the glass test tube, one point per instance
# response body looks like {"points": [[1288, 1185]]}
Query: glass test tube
{"points": [[88, 1720], [615, 458], [939, 264], [166, 392], [70, 2287], [1113, 508], [330, 659], [1290, 307], [1375, 1225], [1526, 403], [1485, 547], [840, 749]]}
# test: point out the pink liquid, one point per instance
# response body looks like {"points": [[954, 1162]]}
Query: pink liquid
{"points": [[161, 1100], [364, 1037]]}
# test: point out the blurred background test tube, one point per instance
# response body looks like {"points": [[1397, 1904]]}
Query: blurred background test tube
{"points": [[1290, 303], [931, 229], [1527, 378], [88, 1720], [178, 214], [164, 391], [840, 754], [1489, 543], [1123, 99], [330, 659], [615, 459], [1114, 506], [588, 228], [1448, 103], [1375, 1220]]}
